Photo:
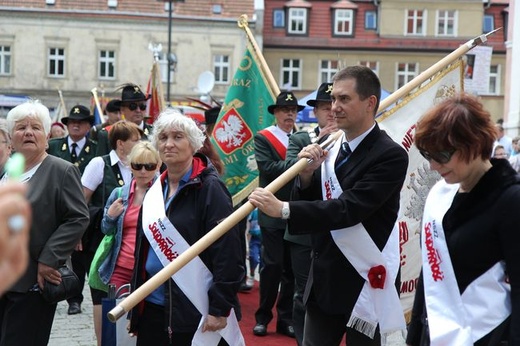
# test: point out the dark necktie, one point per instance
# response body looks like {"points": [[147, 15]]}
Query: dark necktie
{"points": [[343, 155], [73, 153]]}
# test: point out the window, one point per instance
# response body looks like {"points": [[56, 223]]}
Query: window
{"points": [[5, 60], [446, 23], [488, 23], [327, 69], [56, 62], [343, 22], [217, 9], [373, 65], [415, 22], [297, 21], [107, 64], [370, 20], [291, 72], [278, 18], [165, 68], [221, 68], [405, 73], [494, 80], [112, 3]]}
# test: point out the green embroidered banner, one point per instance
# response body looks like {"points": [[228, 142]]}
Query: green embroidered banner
{"points": [[243, 113]]}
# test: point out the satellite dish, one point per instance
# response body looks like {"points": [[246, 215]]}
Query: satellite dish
{"points": [[206, 82]]}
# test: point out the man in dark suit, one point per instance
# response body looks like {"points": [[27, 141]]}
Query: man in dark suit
{"points": [[348, 199], [113, 115], [133, 108], [77, 149], [276, 274], [300, 245]]}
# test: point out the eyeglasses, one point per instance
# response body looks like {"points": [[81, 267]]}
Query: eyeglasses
{"points": [[133, 106], [148, 166], [288, 109], [441, 157]]}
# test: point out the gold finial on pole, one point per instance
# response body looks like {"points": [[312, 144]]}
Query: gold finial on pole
{"points": [[242, 21]]}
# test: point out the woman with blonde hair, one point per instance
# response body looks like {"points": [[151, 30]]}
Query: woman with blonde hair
{"points": [[101, 176], [122, 211]]}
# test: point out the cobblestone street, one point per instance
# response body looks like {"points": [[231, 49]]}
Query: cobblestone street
{"points": [[74, 330]]}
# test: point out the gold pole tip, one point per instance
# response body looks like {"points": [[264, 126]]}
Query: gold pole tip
{"points": [[242, 21]]}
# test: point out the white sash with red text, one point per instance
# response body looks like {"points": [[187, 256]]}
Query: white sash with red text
{"points": [[374, 305], [454, 319], [194, 279]]}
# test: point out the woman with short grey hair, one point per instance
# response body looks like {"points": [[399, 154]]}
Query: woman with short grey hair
{"points": [[60, 216], [182, 206]]}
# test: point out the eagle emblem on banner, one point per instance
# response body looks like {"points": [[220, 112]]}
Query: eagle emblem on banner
{"points": [[231, 132]]}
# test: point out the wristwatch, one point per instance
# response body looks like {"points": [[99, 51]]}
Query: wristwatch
{"points": [[286, 212]]}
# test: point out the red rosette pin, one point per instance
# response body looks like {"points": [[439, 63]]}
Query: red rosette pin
{"points": [[377, 276]]}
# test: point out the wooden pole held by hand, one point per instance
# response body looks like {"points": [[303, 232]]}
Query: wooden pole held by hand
{"points": [[203, 243]]}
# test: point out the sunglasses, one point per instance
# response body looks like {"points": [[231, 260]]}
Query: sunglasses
{"points": [[148, 166], [133, 106], [441, 157]]}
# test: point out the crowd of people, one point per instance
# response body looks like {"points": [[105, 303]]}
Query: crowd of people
{"points": [[325, 246]]}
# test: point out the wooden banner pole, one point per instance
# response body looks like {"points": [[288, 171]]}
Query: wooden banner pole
{"points": [[203, 243]]}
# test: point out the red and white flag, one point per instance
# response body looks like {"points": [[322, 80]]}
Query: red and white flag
{"points": [[155, 103]]}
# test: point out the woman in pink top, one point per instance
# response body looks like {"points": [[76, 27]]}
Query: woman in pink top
{"points": [[122, 211]]}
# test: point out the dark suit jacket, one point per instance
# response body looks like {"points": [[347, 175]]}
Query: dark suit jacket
{"points": [[371, 181], [270, 166], [297, 142], [59, 217], [59, 147], [103, 145]]}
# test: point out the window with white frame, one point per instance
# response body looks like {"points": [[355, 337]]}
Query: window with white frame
{"points": [[370, 20], [56, 61], [488, 23], [221, 68], [446, 23], [415, 22], [373, 65], [291, 73], [343, 22], [5, 60], [297, 21], [494, 80], [328, 68], [107, 64], [165, 67], [406, 72]]}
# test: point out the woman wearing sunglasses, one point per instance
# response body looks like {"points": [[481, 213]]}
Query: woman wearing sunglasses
{"points": [[101, 176], [121, 213], [468, 291], [183, 205]]}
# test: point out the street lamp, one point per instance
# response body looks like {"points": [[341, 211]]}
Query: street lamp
{"points": [[171, 57]]}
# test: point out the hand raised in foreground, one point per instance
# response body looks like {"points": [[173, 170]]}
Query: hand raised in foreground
{"points": [[15, 221]]}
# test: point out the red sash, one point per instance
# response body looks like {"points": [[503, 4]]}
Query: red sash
{"points": [[278, 146]]}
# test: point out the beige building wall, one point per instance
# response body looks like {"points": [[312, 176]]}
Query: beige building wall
{"points": [[394, 12], [193, 42], [387, 67]]}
